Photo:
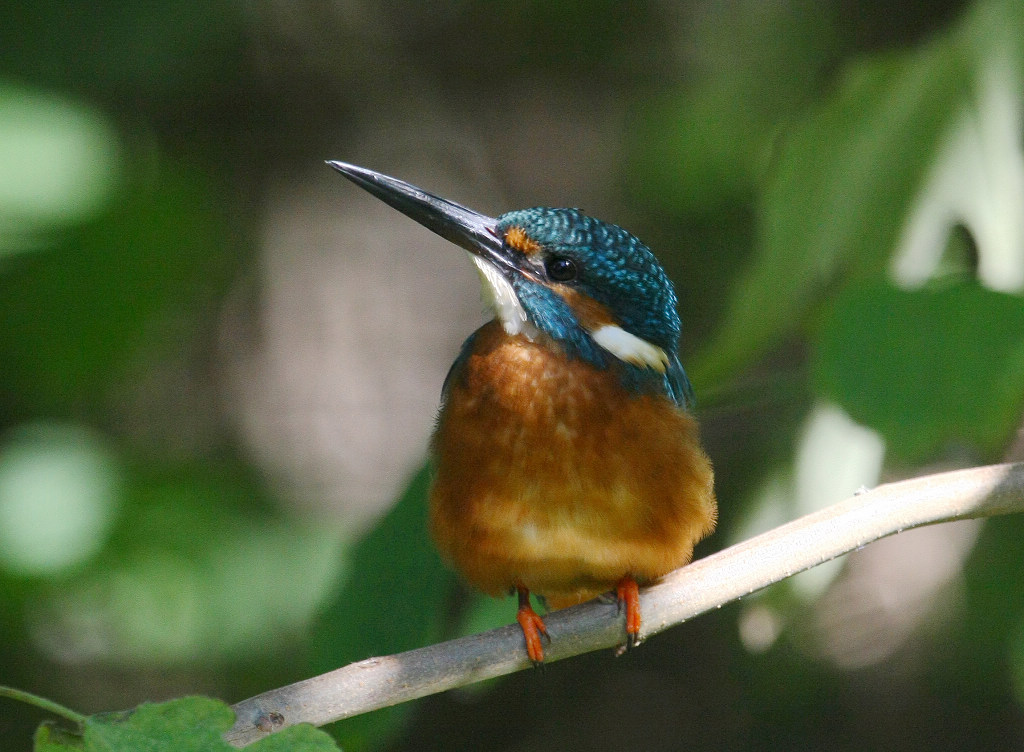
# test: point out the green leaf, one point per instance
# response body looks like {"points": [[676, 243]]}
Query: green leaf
{"points": [[51, 737], [395, 600], [189, 724], [185, 725], [300, 738], [927, 367]]}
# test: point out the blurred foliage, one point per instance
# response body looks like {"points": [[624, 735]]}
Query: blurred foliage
{"points": [[399, 589], [33, 127], [784, 159], [77, 314]]}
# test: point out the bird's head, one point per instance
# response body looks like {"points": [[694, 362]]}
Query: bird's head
{"points": [[589, 286]]}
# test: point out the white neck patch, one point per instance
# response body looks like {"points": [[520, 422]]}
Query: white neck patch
{"points": [[502, 299], [630, 348]]}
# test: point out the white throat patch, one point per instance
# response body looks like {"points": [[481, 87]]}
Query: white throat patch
{"points": [[630, 348], [502, 299]]}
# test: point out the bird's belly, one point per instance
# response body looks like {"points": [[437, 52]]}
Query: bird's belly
{"points": [[550, 476]]}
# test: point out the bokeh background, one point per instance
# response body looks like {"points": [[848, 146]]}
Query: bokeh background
{"points": [[220, 362]]}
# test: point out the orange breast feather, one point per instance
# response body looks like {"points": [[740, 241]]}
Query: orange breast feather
{"points": [[552, 477]]}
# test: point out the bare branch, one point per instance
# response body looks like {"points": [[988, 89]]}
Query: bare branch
{"points": [[706, 584]]}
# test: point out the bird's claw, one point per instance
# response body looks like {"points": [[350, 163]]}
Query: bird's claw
{"points": [[534, 629], [535, 633], [627, 596]]}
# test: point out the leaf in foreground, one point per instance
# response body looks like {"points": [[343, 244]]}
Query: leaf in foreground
{"points": [[190, 724]]}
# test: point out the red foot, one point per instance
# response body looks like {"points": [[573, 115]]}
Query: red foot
{"points": [[533, 627], [629, 596]]}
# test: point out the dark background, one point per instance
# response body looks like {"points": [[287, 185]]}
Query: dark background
{"points": [[220, 362]]}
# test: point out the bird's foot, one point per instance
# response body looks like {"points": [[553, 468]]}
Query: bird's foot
{"points": [[627, 594], [533, 628]]}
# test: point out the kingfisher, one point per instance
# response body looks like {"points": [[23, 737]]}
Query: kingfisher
{"points": [[566, 460]]}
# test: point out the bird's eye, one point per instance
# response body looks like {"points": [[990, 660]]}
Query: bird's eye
{"points": [[561, 269]]}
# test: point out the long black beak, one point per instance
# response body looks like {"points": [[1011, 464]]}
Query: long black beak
{"points": [[466, 228]]}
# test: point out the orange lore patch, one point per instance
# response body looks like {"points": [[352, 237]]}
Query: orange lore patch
{"points": [[591, 314], [517, 238]]}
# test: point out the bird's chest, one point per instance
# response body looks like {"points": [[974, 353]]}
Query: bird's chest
{"points": [[528, 436], [527, 413], [550, 475]]}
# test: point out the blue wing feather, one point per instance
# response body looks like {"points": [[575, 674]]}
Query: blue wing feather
{"points": [[464, 353], [678, 385]]}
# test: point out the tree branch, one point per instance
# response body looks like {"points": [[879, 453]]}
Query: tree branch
{"points": [[701, 586]]}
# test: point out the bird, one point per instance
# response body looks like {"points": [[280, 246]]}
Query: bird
{"points": [[566, 459]]}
